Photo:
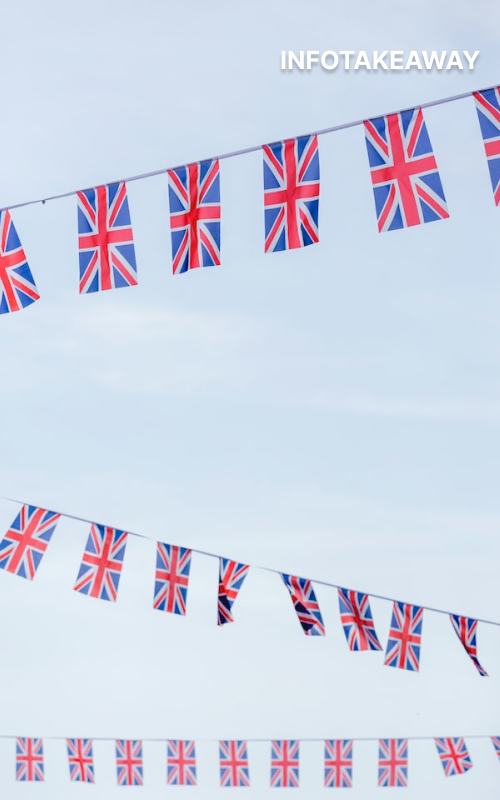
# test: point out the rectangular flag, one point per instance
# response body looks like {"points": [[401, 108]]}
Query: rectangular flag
{"points": [[233, 756], [231, 577], [357, 620], [338, 763], [102, 562], [488, 112], [80, 760], [495, 740], [24, 544], [405, 636], [305, 604], [285, 763], [393, 762], [17, 285], [181, 762], [29, 759], [129, 765], [454, 756], [173, 564], [466, 630]]}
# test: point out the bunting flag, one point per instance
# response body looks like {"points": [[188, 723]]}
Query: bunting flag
{"points": [[233, 756], [305, 604], [285, 763], [24, 545], [495, 740], [231, 577], [357, 620], [17, 285], [466, 630], [291, 193], [195, 215], [129, 765], [102, 562], [80, 760], [105, 241], [29, 760], [454, 756], [338, 763], [405, 635], [488, 112], [406, 183], [171, 578], [181, 762], [393, 762]]}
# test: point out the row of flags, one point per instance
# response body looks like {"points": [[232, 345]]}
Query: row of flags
{"points": [[234, 769], [404, 174], [25, 542]]}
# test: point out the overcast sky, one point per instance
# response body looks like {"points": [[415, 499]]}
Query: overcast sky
{"points": [[331, 412]]}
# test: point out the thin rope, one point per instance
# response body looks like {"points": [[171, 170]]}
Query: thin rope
{"points": [[245, 150], [260, 567], [253, 739]]}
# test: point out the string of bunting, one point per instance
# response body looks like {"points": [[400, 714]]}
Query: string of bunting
{"points": [[26, 541], [404, 174], [234, 768]]}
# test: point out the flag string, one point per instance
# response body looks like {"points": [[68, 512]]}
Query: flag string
{"points": [[10, 736]]}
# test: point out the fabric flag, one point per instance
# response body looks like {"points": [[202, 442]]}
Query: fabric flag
{"points": [[29, 760], [454, 756], [305, 604], [338, 763], [195, 214], [24, 545], [102, 562], [231, 577], [393, 762], [129, 765], [17, 285], [495, 740], [80, 760], [406, 183], [105, 241], [466, 630], [171, 578], [233, 756], [291, 193], [357, 620], [285, 763], [488, 112], [405, 635], [181, 762]]}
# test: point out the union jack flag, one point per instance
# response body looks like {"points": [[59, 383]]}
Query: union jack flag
{"points": [[405, 635], [181, 762], [406, 183], [171, 578], [495, 740], [305, 604], [29, 759], [466, 630], [105, 239], [24, 544], [454, 756], [357, 620], [194, 195], [231, 577], [338, 763], [285, 763], [102, 562], [234, 770], [393, 762], [80, 760], [129, 765], [291, 193], [17, 285], [488, 111]]}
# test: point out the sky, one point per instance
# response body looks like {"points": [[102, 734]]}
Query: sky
{"points": [[331, 412]]}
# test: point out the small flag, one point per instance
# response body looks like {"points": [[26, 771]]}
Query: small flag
{"points": [[181, 762], [466, 630], [405, 635], [233, 756], [29, 760], [231, 577], [495, 740], [393, 762], [17, 285], [305, 604], [454, 756], [338, 763], [25, 543], [285, 763], [357, 620], [171, 578], [129, 766], [488, 112], [102, 562], [80, 760]]}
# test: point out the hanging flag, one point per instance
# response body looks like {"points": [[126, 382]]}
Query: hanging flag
{"points": [[105, 241], [80, 760], [285, 763], [466, 630], [495, 740], [338, 763], [25, 543], [405, 635], [195, 214], [357, 620], [488, 112], [29, 759], [454, 756], [406, 183], [102, 562], [233, 756], [129, 766], [17, 285], [305, 604], [171, 578], [181, 762], [231, 577], [291, 193], [393, 762]]}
